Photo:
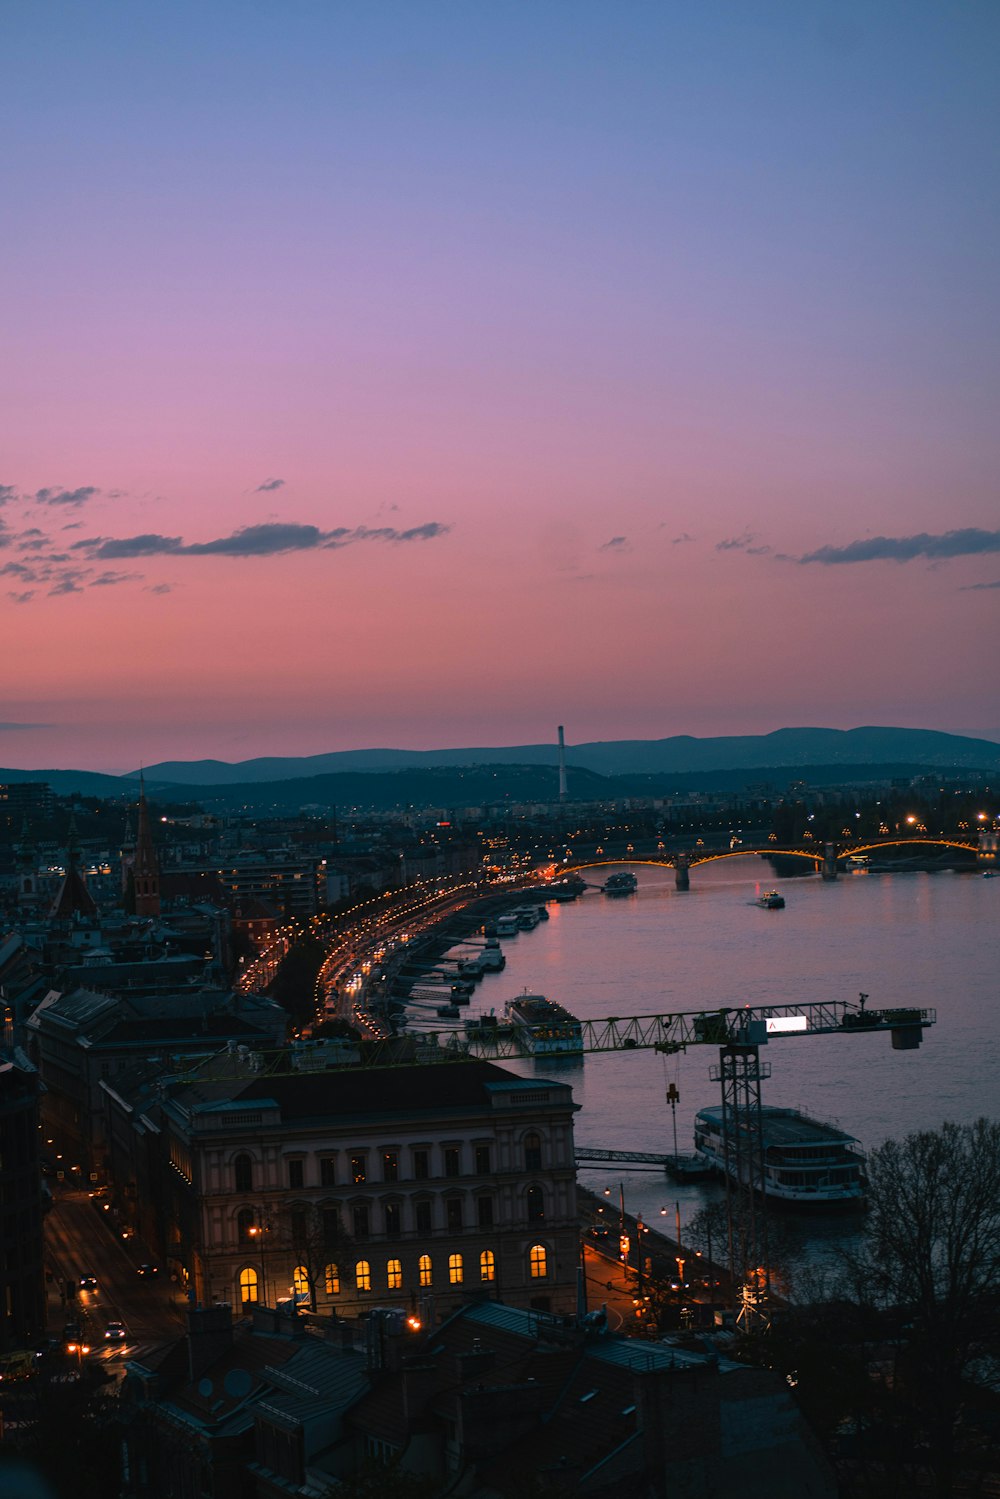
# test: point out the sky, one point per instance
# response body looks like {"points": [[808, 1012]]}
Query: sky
{"points": [[429, 374]]}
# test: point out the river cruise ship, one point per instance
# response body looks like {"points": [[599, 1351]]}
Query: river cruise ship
{"points": [[543, 1027], [806, 1163]]}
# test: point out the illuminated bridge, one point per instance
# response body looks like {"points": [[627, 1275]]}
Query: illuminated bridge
{"points": [[824, 856]]}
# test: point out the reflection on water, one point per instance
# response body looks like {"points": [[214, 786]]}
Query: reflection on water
{"points": [[903, 939]]}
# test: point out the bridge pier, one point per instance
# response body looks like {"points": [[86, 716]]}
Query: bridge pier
{"points": [[989, 848], [829, 867], [682, 876]]}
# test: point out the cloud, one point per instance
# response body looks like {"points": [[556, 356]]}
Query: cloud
{"points": [[109, 579], [19, 598], [269, 485], [979, 587], [160, 588], [5, 726], [969, 542], [66, 496], [147, 545], [616, 544], [267, 540], [7, 493], [736, 543], [68, 583], [679, 540]]}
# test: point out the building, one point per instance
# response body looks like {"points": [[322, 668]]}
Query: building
{"points": [[22, 1287], [399, 1186]]}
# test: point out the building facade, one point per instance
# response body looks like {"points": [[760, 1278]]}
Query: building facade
{"points": [[408, 1186]]}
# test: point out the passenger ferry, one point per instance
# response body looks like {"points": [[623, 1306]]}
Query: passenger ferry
{"points": [[771, 901], [543, 1027], [507, 925], [624, 883], [806, 1163]]}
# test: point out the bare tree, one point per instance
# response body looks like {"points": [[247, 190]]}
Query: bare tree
{"points": [[931, 1257]]}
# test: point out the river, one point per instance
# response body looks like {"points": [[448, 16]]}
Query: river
{"points": [[904, 939]]}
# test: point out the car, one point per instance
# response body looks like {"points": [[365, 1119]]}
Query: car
{"points": [[115, 1332], [598, 1232], [148, 1270], [88, 1282]]}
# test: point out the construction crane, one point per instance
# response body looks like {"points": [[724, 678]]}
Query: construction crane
{"points": [[738, 1033]]}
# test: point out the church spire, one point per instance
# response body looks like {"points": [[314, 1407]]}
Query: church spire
{"points": [[145, 868]]}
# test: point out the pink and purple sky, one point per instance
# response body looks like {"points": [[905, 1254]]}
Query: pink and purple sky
{"points": [[426, 374]]}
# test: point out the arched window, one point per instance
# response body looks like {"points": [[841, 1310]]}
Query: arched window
{"points": [[535, 1202], [456, 1273], [487, 1265], [244, 1223], [538, 1262], [248, 1284], [363, 1275], [332, 1275], [532, 1152], [300, 1280], [425, 1270], [394, 1274], [243, 1173]]}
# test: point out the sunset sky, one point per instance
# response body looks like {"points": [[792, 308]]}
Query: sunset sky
{"points": [[424, 374]]}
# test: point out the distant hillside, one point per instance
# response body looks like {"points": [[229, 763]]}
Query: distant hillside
{"points": [[682, 753], [493, 785]]}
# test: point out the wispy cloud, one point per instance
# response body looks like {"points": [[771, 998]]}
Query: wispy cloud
{"points": [[268, 540], [58, 496], [7, 493], [736, 543], [979, 587], [616, 544], [269, 485], [968, 542]]}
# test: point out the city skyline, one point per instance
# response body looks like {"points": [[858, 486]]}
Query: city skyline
{"points": [[425, 376]]}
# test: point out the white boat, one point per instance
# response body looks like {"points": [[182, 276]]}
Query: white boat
{"points": [[543, 1027], [806, 1163], [771, 901]]}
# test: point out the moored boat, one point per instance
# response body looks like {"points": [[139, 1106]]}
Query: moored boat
{"points": [[544, 1027], [622, 883], [806, 1163]]}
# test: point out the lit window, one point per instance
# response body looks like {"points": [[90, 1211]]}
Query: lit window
{"points": [[363, 1275], [300, 1280], [538, 1261], [426, 1270], [248, 1285], [487, 1265], [455, 1272], [332, 1276], [394, 1274]]}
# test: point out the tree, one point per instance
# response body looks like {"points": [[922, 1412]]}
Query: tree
{"points": [[931, 1253]]}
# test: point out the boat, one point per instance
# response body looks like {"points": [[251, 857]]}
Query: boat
{"points": [[771, 901], [543, 1027], [624, 883], [527, 917], [447, 1012], [507, 925], [806, 1163]]}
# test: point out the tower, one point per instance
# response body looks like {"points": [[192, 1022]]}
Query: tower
{"points": [[73, 898], [143, 873], [562, 764]]}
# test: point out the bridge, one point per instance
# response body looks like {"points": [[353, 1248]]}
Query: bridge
{"points": [[825, 856]]}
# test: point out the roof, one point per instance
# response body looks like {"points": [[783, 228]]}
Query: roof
{"points": [[788, 1127], [388, 1091]]}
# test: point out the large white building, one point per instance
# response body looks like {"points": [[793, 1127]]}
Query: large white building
{"points": [[407, 1186]]}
